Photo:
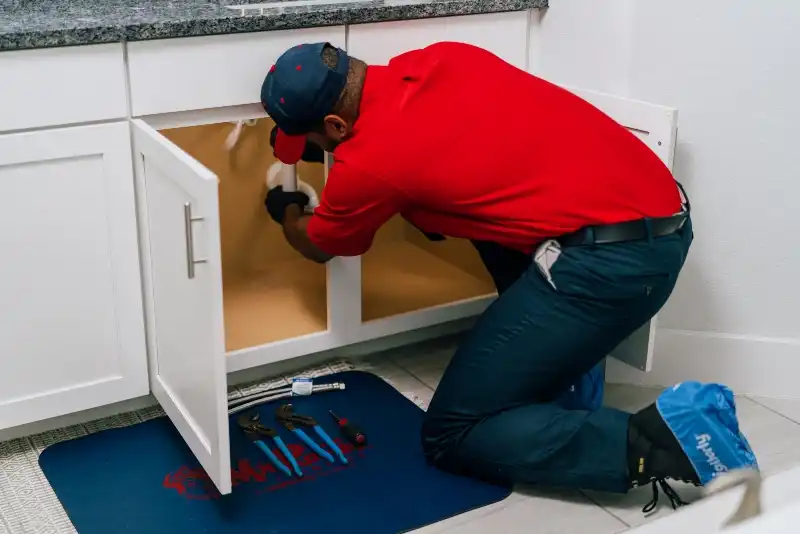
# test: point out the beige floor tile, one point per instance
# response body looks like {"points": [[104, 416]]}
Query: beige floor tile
{"points": [[427, 366], [544, 512], [459, 522], [629, 398], [786, 407], [774, 438]]}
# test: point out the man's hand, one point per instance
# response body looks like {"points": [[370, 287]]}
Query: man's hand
{"points": [[278, 200], [295, 224]]}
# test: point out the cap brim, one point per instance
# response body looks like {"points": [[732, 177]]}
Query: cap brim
{"points": [[289, 148]]}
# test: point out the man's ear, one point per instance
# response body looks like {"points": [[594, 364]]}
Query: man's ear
{"points": [[336, 127]]}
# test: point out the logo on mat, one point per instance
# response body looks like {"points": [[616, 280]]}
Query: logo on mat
{"points": [[193, 483], [704, 446]]}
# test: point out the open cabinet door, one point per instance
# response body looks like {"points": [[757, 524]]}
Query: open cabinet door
{"points": [[656, 126], [178, 200]]}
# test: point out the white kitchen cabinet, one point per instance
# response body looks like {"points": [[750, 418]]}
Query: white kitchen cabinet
{"points": [[72, 334], [213, 71], [223, 291]]}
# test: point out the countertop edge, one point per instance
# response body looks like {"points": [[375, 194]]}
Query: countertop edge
{"points": [[114, 33]]}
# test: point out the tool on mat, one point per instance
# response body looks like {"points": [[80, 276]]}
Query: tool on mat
{"points": [[255, 431], [350, 432], [292, 421], [262, 397]]}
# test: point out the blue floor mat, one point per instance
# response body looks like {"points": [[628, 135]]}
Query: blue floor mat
{"points": [[144, 479]]}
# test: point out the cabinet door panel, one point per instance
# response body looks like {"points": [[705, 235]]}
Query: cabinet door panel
{"points": [[183, 296], [72, 334]]}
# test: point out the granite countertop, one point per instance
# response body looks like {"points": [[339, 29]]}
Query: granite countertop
{"points": [[28, 24]]}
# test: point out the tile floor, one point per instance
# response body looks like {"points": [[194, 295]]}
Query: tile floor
{"points": [[28, 506]]}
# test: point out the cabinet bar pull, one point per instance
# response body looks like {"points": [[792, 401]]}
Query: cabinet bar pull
{"points": [[188, 220]]}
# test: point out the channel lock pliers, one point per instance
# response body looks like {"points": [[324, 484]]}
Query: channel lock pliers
{"points": [[255, 431], [286, 416]]}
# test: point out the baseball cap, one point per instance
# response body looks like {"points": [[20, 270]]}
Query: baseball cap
{"points": [[298, 92]]}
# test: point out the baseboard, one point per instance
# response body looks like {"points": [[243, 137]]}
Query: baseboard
{"points": [[78, 418], [750, 365], [389, 346]]}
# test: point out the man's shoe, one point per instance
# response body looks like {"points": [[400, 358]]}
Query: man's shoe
{"points": [[690, 434]]}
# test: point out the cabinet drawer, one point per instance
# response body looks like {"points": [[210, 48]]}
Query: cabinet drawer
{"points": [[209, 72], [503, 34], [61, 86]]}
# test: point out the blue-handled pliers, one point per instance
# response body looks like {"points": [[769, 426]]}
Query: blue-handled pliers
{"points": [[255, 431], [286, 416]]}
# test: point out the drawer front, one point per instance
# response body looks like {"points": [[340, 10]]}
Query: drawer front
{"points": [[503, 34], [61, 86], [209, 72]]}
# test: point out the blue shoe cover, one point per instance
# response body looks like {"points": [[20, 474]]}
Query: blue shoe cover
{"points": [[702, 417]]}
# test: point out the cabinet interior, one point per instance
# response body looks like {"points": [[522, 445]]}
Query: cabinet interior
{"points": [[270, 292], [405, 272]]}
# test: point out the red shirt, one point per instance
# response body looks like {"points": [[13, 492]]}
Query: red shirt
{"points": [[461, 143]]}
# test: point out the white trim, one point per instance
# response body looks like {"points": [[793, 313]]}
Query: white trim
{"points": [[750, 365]]}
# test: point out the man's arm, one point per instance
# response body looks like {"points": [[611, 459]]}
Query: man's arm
{"points": [[295, 224]]}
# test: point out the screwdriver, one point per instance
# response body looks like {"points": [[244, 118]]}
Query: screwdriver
{"points": [[351, 433]]}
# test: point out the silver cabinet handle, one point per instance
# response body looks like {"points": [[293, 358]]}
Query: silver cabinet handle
{"points": [[188, 220]]}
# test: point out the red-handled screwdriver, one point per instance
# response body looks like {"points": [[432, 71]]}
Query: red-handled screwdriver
{"points": [[351, 433]]}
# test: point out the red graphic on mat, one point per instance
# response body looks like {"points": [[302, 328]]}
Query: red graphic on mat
{"points": [[193, 482]]}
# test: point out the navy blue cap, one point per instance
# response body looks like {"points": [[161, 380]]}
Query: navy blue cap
{"points": [[298, 92]]}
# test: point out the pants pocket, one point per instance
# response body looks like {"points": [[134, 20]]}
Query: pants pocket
{"points": [[545, 258]]}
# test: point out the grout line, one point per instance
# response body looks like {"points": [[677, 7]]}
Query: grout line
{"points": [[774, 410], [606, 510], [409, 373], [418, 379]]}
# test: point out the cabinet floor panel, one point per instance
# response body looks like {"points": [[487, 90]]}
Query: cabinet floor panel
{"points": [[400, 277], [283, 301]]}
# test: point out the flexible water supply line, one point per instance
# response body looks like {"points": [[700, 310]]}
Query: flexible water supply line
{"points": [[242, 404]]}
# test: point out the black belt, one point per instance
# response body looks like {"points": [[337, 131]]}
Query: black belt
{"points": [[625, 231]]}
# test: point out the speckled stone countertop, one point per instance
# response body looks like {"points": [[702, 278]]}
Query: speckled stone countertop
{"points": [[48, 23]]}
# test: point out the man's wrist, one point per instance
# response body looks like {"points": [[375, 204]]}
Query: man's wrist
{"points": [[292, 214]]}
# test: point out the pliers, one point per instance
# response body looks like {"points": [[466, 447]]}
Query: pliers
{"points": [[255, 431], [286, 416]]}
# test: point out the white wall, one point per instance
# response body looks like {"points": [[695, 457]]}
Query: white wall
{"points": [[730, 68]]}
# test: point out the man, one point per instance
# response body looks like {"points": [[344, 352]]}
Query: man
{"points": [[582, 227]]}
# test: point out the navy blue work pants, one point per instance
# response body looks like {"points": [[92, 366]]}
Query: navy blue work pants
{"points": [[493, 414]]}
